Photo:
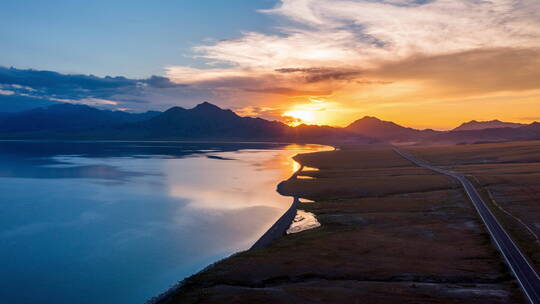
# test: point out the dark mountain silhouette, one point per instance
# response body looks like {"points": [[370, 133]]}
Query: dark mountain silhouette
{"points": [[209, 122], [470, 132], [491, 124], [17, 103], [526, 132], [387, 130], [203, 122], [4, 115], [66, 117]]}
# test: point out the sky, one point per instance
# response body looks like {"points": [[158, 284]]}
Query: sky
{"points": [[420, 63]]}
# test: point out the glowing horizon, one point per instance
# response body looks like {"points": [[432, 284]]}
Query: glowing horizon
{"points": [[431, 69], [423, 64]]}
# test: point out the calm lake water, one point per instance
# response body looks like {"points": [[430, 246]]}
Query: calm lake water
{"points": [[120, 222]]}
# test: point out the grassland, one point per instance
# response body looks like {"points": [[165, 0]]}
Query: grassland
{"points": [[391, 233], [508, 176]]}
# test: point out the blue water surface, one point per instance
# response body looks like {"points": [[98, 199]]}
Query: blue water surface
{"points": [[120, 222]]}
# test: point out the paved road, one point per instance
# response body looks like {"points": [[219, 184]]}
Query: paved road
{"points": [[523, 271]]}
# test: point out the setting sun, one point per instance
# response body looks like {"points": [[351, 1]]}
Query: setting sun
{"points": [[315, 112], [300, 117]]}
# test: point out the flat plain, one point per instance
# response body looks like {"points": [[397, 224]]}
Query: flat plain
{"points": [[508, 177], [390, 232]]}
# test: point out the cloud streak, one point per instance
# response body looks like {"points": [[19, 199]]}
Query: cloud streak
{"points": [[41, 88], [422, 59], [419, 51]]}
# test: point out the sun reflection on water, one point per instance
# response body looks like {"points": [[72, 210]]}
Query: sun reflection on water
{"points": [[241, 179], [295, 166]]}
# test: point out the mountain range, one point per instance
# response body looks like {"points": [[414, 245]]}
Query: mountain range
{"points": [[66, 116], [469, 132], [210, 122], [491, 124], [387, 130], [203, 122]]}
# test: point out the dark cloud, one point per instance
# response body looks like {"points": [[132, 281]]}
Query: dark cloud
{"points": [[162, 82], [52, 80], [322, 74], [77, 85], [47, 86]]}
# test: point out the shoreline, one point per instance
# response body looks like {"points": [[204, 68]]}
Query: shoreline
{"points": [[280, 226], [275, 231], [363, 197]]}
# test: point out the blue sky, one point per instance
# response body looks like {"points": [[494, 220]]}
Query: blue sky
{"points": [[132, 38], [422, 63]]}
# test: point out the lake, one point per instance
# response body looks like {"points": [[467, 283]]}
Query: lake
{"points": [[120, 222]]}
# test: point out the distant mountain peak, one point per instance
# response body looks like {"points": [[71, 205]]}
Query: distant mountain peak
{"points": [[534, 124], [66, 116], [372, 121], [174, 109], [206, 106], [490, 124], [66, 106], [368, 118], [386, 130]]}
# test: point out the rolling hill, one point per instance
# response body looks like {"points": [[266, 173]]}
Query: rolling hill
{"points": [[387, 130], [481, 125], [526, 132]]}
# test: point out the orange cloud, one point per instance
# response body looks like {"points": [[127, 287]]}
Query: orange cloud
{"points": [[421, 63]]}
